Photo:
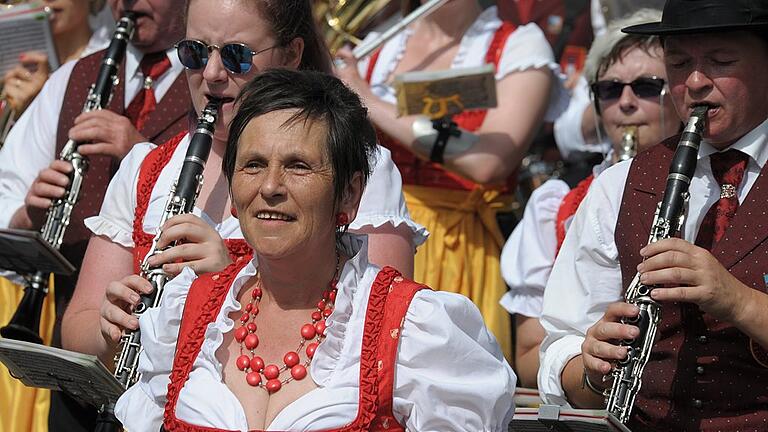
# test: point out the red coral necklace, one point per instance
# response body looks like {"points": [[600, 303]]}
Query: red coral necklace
{"points": [[257, 374]]}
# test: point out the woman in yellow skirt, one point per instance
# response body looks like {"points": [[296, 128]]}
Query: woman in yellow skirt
{"points": [[24, 408], [456, 191]]}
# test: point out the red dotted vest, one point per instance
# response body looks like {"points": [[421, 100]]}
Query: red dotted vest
{"points": [[423, 173], [388, 303], [168, 120], [150, 170], [702, 374]]}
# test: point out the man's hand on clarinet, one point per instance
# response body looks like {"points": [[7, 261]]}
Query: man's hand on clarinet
{"points": [[103, 132], [600, 347]]}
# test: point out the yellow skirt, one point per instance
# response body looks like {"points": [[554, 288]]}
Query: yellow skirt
{"points": [[23, 408], [463, 249]]}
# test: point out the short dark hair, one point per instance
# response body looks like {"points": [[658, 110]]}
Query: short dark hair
{"points": [[350, 140], [291, 19]]}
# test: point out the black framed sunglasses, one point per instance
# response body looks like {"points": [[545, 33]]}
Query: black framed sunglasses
{"points": [[643, 87], [236, 57]]}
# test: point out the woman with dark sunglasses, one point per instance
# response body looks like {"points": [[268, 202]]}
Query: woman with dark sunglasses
{"points": [[226, 45], [627, 79]]}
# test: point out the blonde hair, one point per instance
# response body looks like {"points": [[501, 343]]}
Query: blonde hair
{"points": [[610, 46]]}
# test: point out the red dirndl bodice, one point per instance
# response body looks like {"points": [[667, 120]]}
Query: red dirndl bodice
{"points": [[388, 303]]}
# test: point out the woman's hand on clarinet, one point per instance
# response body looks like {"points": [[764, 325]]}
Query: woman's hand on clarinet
{"points": [[116, 311], [199, 247], [600, 347]]}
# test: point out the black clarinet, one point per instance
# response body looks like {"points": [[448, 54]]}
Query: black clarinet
{"points": [[669, 218], [181, 200], [25, 324]]}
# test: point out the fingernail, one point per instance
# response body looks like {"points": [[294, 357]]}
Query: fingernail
{"points": [[135, 298], [642, 251], [640, 267], [135, 323], [634, 331]]}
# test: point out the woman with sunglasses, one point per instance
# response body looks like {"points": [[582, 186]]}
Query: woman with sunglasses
{"points": [[627, 78], [219, 59]]}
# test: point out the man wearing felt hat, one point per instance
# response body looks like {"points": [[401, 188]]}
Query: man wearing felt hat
{"points": [[708, 368]]}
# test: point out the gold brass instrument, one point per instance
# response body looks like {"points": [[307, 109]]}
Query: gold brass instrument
{"points": [[342, 18], [629, 140]]}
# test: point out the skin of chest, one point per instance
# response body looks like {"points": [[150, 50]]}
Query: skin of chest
{"points": [[278, 332], [424, 54]]}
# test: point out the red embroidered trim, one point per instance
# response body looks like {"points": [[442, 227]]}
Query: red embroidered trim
{"points": [[401, 293], [372, 65], [204, 305], [568, 208], [150, 170]]}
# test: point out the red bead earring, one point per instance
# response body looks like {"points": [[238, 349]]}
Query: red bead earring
{"points": [[342, 219], [233, 211]]}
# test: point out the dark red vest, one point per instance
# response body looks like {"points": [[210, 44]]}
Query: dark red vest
{"points": [[166, 121], [701, 375]]}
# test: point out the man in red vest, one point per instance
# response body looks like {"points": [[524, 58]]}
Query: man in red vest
{"points": [[708, 367], [150, 103]]}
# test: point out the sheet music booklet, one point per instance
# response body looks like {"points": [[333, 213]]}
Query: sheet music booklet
{"points": [[437, 94], [25, 27], [80, 375]]}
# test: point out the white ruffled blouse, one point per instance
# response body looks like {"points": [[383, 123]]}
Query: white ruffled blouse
{"points": [[450, 373], [529, 253], [526, 48], [382, 202]]}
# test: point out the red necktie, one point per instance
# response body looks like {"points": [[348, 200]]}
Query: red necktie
{"points": [[728, 168], [152, 67]]}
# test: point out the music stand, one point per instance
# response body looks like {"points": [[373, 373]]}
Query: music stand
{"points": [[26, 252], [553, 418], [81, 376]]}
